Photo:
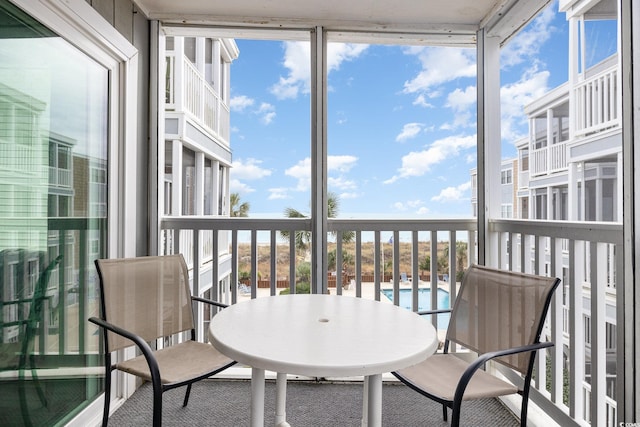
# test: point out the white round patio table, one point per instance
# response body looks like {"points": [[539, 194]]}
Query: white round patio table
{"points": [[321, 336]]}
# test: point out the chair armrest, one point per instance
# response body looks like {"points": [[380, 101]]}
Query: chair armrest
{"points": [[139, 342], [427, 312], [208, 301], [485, 357]]}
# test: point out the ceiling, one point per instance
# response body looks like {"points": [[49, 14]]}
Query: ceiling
{"points": [[436, 21]]}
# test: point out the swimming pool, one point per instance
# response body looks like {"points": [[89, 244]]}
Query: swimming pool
{"points": [[424, 302]]}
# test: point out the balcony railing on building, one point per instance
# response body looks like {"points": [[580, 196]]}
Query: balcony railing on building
{"points": [[597, 102], [596, 107], [188, 91]]}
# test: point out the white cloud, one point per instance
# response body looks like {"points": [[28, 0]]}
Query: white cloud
{"points": [[236, 186], [338, 164], [249, 169], [462, 100], [278, 193], [410, 205], [417, 163], [341, 163], [409, 130], [349, 195], [516, 95], [302, 172], [439, 65], [527, 43], [296, 61], [337, 53], [453, 194], [423, 211], [341, 183], [266, 112], [421, 101], [240, 103]]}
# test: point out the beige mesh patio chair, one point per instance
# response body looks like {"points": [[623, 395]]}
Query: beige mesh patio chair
{"points": [[498, 315], [144, 299]]}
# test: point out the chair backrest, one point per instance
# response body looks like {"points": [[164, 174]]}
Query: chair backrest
{"points": [[148, 296], [500, 309]]}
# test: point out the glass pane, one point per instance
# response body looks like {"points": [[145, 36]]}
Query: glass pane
{"points": [[53, 165]]}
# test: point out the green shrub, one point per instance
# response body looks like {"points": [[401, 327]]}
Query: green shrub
{"points": [[301, 288]]}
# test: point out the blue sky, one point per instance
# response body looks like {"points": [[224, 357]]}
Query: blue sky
{"points": [[401, 126]]}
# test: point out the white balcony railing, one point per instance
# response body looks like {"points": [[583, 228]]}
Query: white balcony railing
{"points": [[585, 255], [549, 159], [597, 103], [188, 90], [588, 269]]}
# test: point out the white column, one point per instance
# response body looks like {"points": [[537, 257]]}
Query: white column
{"points": [[215, 66], [549, 141], [199, 176], [178, 73], [550, 210], [598, 195], [572, 188], [200, 54], [215, 186], [618, 202], [225, 191], [176, 174]]}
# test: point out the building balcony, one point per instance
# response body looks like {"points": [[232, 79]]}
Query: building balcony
{"points": [[575, 379], [188, 92], [573, 382]]}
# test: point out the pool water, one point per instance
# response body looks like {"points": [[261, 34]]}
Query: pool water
{"points": [[424, 302]]}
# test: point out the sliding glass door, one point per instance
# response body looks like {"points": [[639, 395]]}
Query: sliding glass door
{"points": [[53, 212]]}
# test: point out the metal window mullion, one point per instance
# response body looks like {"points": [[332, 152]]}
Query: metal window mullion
{"points": [[434, 275], [339, 264], [358, 262], [254, 263], [198, 308], [376, 264], [319, 210], [234, 268], [415, 274], [272, 266], [215, 266]]}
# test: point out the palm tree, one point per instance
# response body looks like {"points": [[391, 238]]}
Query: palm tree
{"points": [[303, 238], [238, 209]]}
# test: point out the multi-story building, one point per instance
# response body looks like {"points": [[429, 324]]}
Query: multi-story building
{"points": [[568, 167], [197, 151]]}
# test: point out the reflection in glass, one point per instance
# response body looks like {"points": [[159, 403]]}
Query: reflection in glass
{"points": [[53, 206]]}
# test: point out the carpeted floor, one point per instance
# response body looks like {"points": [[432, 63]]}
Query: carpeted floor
{"points": [[224, 403]]}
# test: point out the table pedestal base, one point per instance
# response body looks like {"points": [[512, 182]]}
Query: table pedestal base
{"points": [[257, 397], [372, 401], [281, 400]]}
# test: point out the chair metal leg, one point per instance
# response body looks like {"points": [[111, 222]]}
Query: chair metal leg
{"points": [[107, 398], [455, 413], [157, 405], [525, 406], [186, 396]]}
